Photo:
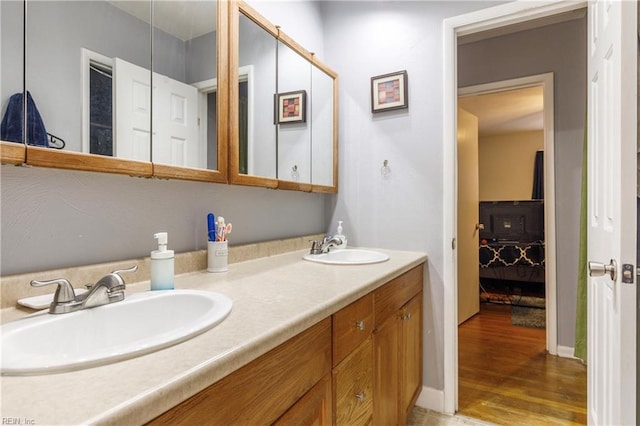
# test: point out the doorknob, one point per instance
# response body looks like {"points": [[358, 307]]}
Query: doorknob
{"points": [[597, 269], [479, 226]]}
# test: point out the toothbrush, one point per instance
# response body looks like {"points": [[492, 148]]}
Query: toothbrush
{"points": [[227, 230], [211, 226], [220, 229]]}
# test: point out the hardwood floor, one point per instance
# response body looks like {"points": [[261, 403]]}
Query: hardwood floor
{"points": [[506, 377]]}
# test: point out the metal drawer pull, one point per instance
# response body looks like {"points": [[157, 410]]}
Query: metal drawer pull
{"points": [[360, 325], [361, 396]]}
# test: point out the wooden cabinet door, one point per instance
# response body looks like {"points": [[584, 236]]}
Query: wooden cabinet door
{"points": [[313, 409], [411, 355], [352, 382], [386, 350]]}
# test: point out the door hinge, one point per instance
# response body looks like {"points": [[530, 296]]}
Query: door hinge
{"points": [[453, 244]]}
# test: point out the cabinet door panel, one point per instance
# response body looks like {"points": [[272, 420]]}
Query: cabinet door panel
{"points": [[313, 409], [353, 389], [411, 348], [386, 344]]}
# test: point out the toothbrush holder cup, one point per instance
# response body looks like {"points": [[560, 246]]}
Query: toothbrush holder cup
{"points": [[217, 256]]}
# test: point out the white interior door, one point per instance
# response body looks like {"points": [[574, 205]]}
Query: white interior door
{"points": [[132, 114], [468, 200], [175, 123], [611, 353]]}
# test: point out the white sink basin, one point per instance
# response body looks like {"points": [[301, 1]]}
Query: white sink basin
{"points": [[348, 257], [144, 322]]}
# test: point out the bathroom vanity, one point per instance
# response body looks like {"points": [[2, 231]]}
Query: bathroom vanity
{"points": [[334, 370], [304, 341]]}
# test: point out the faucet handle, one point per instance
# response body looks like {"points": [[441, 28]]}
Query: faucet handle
{"points": [[315, 246], [64, 292], [134, 268], [115, 275]]}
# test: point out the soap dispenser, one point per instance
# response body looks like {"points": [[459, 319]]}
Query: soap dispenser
{"points": [[340, 235], [162, 264]]}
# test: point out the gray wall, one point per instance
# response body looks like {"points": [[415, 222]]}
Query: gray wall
{"points": [[201, 58], [561, 49], [57, 218]]}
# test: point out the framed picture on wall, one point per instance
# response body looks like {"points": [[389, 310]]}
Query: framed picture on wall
{"points": [[291, 107], [389, 92]]}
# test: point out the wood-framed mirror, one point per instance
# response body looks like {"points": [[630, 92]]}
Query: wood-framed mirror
{"points": [[91, 80], [293, 142]]}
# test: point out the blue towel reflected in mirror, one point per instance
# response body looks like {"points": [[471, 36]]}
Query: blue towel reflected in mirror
{"points": [[11, 126]]}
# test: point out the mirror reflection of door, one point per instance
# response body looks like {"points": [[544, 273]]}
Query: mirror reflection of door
{"points": [[132, 111], [243, 125]]}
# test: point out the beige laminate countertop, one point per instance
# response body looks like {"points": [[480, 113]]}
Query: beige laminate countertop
{"points": [[274, 298]]}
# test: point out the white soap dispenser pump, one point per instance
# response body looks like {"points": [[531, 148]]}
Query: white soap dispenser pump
{"points": [[162, 269]]}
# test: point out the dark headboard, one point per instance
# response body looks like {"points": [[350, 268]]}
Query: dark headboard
{"points": [[521, 221]]}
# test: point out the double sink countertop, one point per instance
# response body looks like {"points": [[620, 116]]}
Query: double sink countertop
{"points": [[274, 299]]}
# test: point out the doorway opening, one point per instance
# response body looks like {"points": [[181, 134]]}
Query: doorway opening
{"points": [[515, 250], [507, 251], [504, 274], [497, 18]]}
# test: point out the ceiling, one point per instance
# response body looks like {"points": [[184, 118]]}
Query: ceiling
{"points": [[523, 26], [509, 111], [185, 20]]}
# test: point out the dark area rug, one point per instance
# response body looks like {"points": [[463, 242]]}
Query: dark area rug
{"points": [[526, 316], [526, 299]]}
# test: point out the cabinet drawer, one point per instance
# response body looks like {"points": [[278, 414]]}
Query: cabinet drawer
{"points": [[392, 296], [352, 325], [353, 387]]}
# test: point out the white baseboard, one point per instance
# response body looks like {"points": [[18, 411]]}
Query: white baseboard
{"points": [[565, 352], [432, 399]]}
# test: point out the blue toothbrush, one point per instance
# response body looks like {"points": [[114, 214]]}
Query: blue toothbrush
{"points": [[211, 226]]}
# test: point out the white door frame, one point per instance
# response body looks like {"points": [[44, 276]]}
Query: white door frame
{"points": [[546, 82], [482, 20]]}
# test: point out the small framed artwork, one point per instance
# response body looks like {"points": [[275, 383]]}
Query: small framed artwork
{"points": [[291, 107], [389, 92]]}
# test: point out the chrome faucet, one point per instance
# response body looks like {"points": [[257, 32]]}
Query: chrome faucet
{"points": [[319, 247], [108, 289]]}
